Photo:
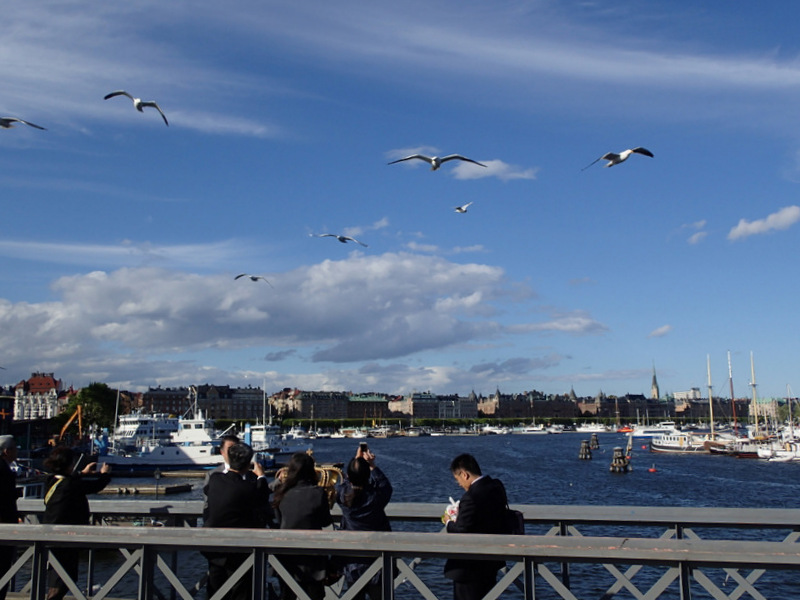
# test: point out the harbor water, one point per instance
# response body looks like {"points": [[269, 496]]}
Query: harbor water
{"points": [[545, 469]]}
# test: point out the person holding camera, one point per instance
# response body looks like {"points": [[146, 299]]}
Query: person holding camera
{"points": [[237, 498], [363, 496], [65, 503], [481, 509]]}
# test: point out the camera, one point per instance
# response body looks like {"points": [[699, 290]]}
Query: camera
{"points": [[363, 446]]}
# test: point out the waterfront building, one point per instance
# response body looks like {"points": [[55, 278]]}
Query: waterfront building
{"points": [[300, 404], [40, 397], [172, 401], [372, 407]]}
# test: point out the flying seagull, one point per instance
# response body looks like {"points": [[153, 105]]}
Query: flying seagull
{"points": [[462, 208], [614, 159], [8, 123], [138, 103], [342, 238], [436, 162], [252, 277]]}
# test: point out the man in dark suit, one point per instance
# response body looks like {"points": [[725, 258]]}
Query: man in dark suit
{"points": [[237, 498], [481, 510], [8, 500]]}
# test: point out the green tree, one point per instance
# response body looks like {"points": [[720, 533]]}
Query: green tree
{"points": [[98, 405]]}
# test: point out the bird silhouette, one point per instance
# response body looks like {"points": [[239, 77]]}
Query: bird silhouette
{"points": [[614, 159], [8, 123], [342, 238], [138, 103], [437, 162], [463, 207], [252, 277]]}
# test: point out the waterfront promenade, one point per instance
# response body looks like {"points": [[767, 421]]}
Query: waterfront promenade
{"points": [[570, 552]]}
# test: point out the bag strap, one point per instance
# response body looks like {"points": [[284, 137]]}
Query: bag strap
{"points": [[59, 479]]}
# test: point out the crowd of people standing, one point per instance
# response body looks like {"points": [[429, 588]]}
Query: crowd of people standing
{"points": [[238, 495]]}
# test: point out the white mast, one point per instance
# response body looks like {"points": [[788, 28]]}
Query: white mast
{"points": [[710, 396], [755, 397]]}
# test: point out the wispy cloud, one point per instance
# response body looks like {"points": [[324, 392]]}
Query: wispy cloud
{"points": [[783, 219], [494, 168], [660, 331]]}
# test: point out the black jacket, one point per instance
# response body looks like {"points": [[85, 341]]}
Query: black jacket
{"points": [[481, 510], [367, 511], [236, 501], [67, 504], [8, 494]]}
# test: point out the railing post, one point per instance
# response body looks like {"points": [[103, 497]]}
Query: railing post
{"points": [[259, 574], [39, 571], [146, 572], [563, 531], [387, 576], [529, 579]]}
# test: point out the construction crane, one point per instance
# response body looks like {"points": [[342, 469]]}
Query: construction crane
{"points": [[77, 414]]}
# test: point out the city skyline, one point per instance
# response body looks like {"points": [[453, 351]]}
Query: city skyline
{"points": [[127, 237]]}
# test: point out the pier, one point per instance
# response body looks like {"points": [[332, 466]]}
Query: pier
{"points": [[645, 551]]}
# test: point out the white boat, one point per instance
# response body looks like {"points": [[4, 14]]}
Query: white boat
{"points": [[267, 439], [679, 442], [592, 428], [495, 430], [650, 431], [555, 429], [139, 428], [532, 430]]}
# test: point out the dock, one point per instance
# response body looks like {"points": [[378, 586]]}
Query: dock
{"points": [[146, 490]]}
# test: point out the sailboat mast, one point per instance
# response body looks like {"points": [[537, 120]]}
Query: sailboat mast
{"points": [[710, 396], [755, 398], [733, 398]]}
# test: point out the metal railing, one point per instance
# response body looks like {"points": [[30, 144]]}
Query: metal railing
{"points": [[581, 552]]}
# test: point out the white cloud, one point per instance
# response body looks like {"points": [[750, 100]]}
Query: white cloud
{"points": [[783, 219], [576, 323], [697, 237], [494, 168], [660, 331]]}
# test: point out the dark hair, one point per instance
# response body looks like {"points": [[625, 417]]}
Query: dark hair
{"points": [[358, 475], [465, 462], [239, 456], [299, 468], [60, 460], [229, 437]]}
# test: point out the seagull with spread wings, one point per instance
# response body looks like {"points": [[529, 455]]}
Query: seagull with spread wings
{"points": [[252, 277], [8, 123], [138, 103], [342, 238], [437, 162], [614, 159], [463, 207]]}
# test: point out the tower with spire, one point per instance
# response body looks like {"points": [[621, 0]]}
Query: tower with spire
{"points": [[654, 391]]}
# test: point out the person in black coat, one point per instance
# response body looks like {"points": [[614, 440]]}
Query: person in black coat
{"points": [[300, 504], [8, 500], [481, 510], [65, 503], [363, 496], [237, 498]]}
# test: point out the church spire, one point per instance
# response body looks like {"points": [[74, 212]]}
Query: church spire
{"points": [[654, 392]]}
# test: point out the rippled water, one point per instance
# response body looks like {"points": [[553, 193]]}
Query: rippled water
{"points": [[545, 469]]}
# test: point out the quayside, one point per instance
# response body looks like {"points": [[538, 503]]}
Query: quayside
{"points": [[569, 552]]}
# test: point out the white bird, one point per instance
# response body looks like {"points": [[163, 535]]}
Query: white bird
{"points": [[342, 238], [435, 161], [614, 159], [252, 277], [8, 123], [463, 207], [138, 103]]}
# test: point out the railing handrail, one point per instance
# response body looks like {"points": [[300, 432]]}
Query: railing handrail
{"points": [[740, 518], [538, 548]]}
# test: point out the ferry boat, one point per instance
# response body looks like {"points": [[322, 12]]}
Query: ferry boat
{"points": [[194, 446], [267, 439], [138, 428], [533, 430], [650, 431], [678, 443], [592, 428]]}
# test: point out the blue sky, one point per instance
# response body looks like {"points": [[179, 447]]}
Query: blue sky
{"points": [[122, 236]]}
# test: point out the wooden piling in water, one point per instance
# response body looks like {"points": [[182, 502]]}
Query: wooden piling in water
{"points": [[594, 444], [619, 462], [585, 452]]}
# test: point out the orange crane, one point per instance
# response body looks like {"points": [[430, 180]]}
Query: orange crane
{"points": [[77, 414]]}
